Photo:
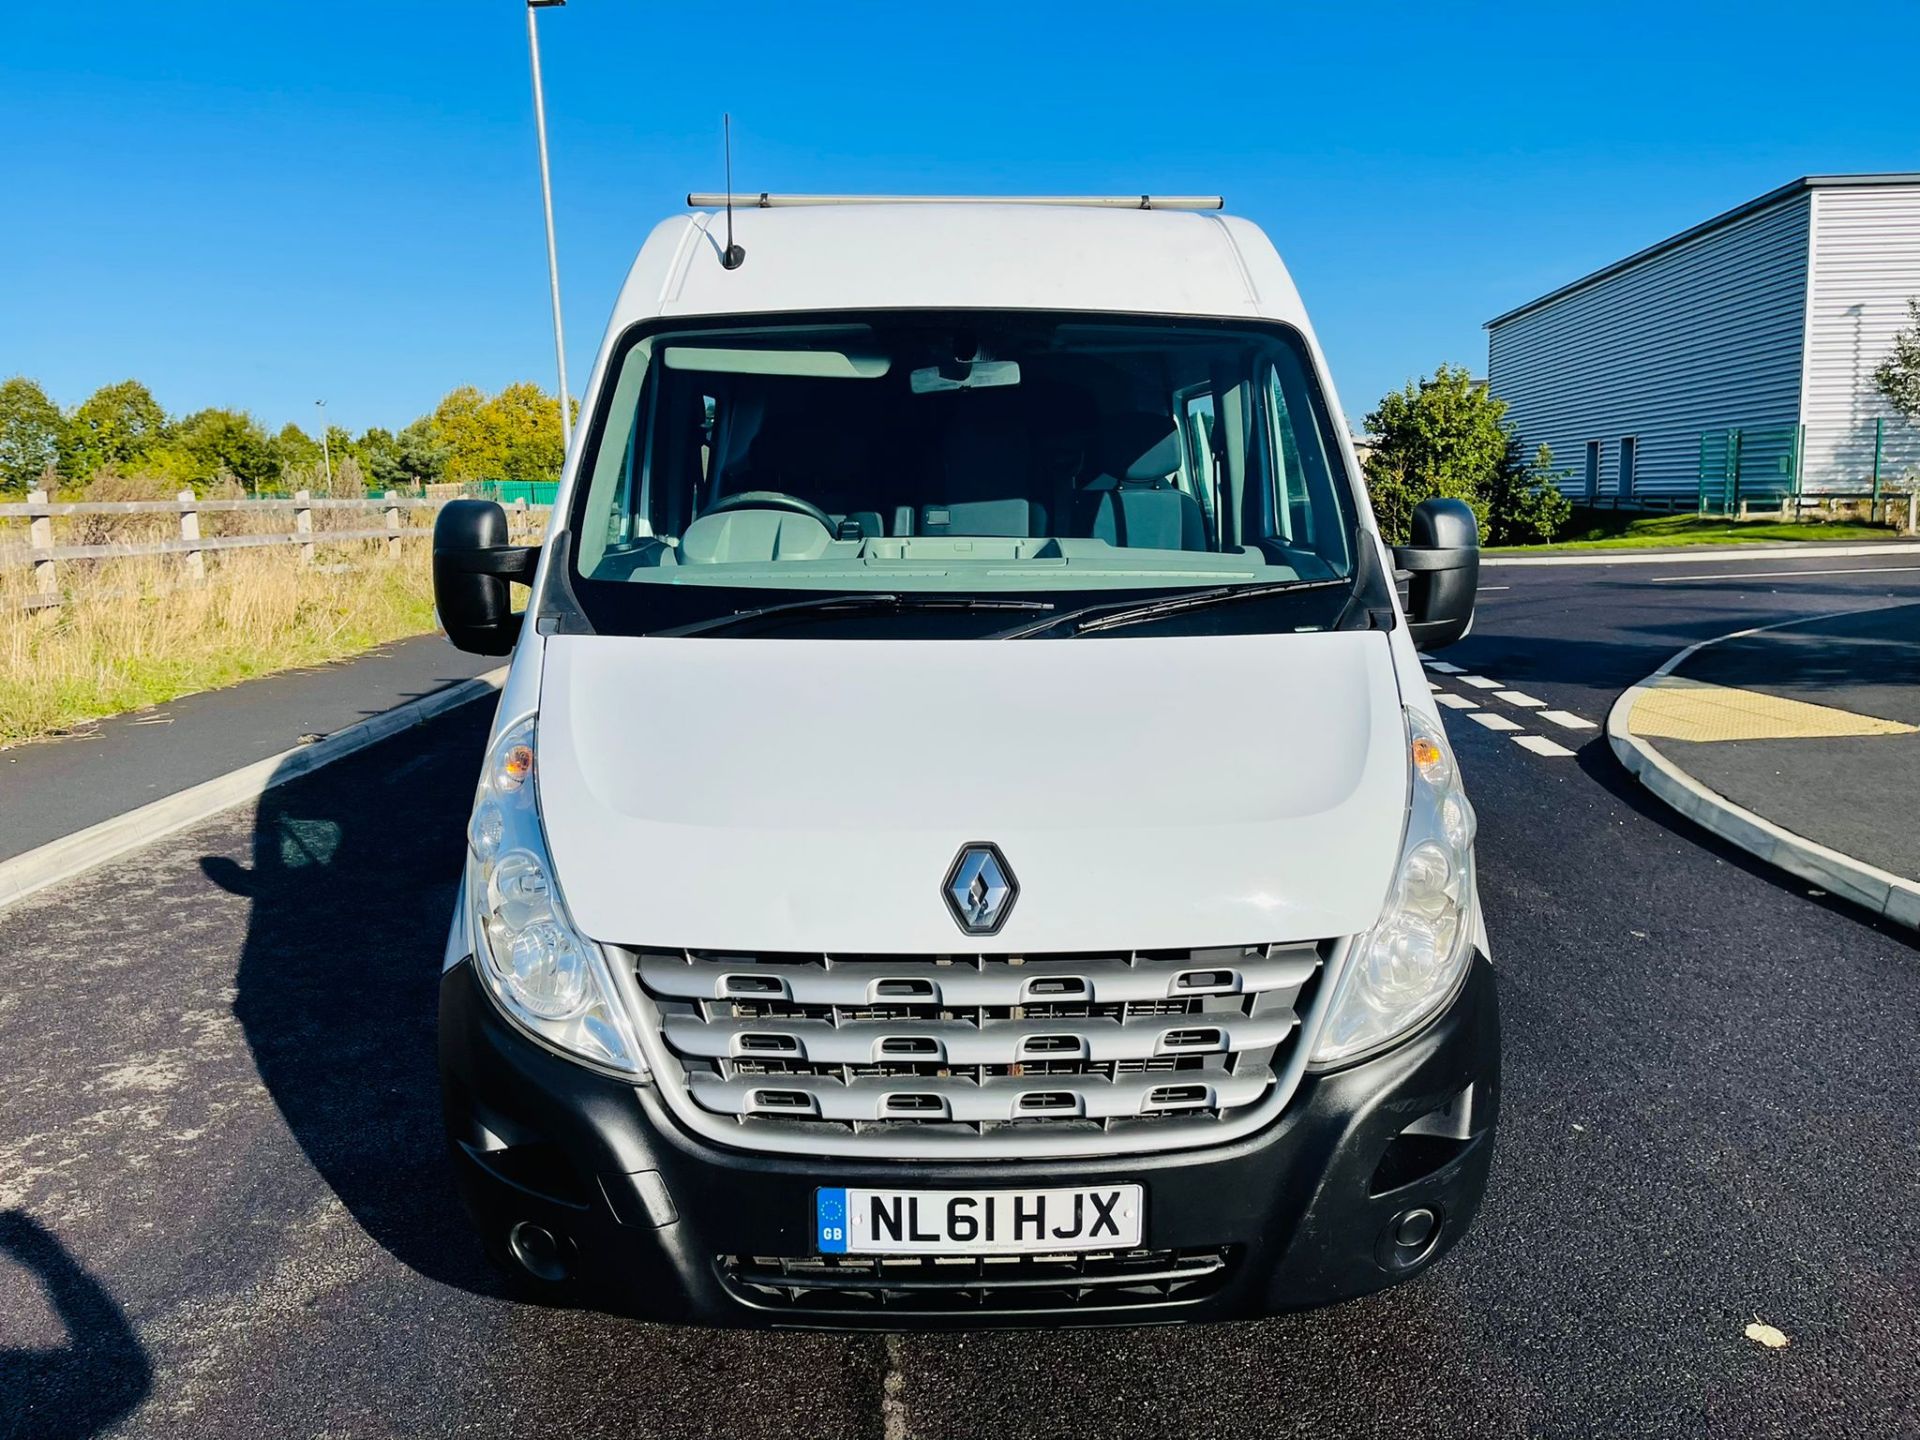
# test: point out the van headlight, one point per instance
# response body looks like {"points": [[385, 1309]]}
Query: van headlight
{"points": [[1410, 964], [544, 974]]}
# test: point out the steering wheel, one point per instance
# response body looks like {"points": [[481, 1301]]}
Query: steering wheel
{"points": [[771, 500]]}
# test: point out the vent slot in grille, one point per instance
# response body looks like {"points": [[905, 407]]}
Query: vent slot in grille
{"points": [[975, 1045], [953, 1285]]}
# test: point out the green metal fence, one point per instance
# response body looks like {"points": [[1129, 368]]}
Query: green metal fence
{"points": [[1781, 467], [534, 492]]}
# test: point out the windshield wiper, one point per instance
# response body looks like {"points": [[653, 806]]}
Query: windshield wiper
{"points": [[1113, 614], [854, 603]]}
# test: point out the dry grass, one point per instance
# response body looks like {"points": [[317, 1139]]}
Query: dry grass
{"points": [[131, 634]]}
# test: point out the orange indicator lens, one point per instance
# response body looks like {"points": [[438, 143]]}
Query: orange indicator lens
{"points": [[517, 764]]}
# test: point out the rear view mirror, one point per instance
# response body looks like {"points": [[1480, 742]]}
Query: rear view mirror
{"points": [[964, 375], [472, 563], [1444, 563]]}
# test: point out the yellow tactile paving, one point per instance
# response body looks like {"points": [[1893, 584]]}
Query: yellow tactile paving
{"points": [[1675, 708]]}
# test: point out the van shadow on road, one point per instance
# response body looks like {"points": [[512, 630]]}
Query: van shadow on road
{"points": [[101, 1372], [352, 884]]}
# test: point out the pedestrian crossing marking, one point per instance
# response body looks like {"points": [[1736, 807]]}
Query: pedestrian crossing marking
{"points": [[1541, 745]]}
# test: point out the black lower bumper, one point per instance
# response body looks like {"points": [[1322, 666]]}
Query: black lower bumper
{"points": [[1372, 1173]]}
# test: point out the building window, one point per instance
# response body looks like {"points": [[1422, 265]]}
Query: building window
{"points": [[1593, 471], [1629, 457]]}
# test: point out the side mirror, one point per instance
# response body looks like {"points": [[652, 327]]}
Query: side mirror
{"points": [[1444, 562], [472, 563]]}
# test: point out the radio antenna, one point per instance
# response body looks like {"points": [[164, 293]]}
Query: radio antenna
{"points": [[732, 257]]}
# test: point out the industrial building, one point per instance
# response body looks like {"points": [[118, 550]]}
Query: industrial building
{"points": [[1732, 362]]}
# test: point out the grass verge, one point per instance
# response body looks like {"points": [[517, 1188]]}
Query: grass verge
{"points": [[130, 635], [1620, 530]]}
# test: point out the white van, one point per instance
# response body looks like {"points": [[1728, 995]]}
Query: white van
{"points": [[966, 838]]}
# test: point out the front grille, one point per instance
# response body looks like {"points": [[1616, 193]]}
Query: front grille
{"points": [[979, 1045], [958, 1285]]}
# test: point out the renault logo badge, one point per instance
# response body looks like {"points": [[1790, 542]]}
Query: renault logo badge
{"points": [[980, 889]]}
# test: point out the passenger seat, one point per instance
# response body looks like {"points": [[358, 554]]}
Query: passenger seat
{"points": [[1135, 503]]}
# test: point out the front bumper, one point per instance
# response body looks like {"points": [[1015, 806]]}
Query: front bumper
{"points": [[1307, 1211]]}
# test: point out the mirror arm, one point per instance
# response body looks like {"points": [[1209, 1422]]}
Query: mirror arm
{"points": [[1416, 559], [509, 562]]}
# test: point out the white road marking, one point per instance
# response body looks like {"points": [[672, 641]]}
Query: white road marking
{"points": [[1479, 682], [1433, 687], [1443, 667], [1492, 721], [1566, 719], [1520, 698], [1786, 574], [1483, 589], [1454, 702], [1540, 745]]}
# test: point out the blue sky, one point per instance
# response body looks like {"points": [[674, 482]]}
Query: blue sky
{"points": [[267, 203]]}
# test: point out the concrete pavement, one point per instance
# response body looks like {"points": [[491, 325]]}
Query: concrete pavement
{"points": [[1799, 741]]}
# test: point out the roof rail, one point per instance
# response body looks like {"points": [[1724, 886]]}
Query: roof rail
{"points": [[714, 200]]}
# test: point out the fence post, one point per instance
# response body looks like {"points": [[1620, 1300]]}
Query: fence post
{"points": [[39, 538], [393, 523], [1879, 447], [190, 536], [303, 524], [520, 513]]}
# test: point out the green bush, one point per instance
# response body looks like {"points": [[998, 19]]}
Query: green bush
{"points": [[1448, 435], [1525, 505]]}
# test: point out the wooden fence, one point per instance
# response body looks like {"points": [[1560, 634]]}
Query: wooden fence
{"points": [[45, 556]]}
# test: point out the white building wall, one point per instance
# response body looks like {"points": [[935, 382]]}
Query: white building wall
{"points": [[1866, 263], [1692, 339]]}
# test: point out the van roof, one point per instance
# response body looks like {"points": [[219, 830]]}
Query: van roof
{"points": [[961, 254]]}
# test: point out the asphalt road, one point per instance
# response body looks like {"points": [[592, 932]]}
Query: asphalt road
{"points": [[223, 1209]]}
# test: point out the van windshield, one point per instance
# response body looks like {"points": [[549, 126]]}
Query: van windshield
{"points": [[1064, 458]]}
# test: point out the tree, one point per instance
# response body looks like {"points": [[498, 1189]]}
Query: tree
{"points": [[1898, 376], [116, 425], [295, 448], [30, 428], [406, 461], [1441, 436], [1525, 504], [214, 442], [514, 435]]}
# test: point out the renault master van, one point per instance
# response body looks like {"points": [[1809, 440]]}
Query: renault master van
{"points": [[965, 839]]}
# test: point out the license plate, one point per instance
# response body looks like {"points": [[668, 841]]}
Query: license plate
{"points": [[977, 1222]]}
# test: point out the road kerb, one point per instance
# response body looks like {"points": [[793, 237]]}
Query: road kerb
{"points": [[1893, 896], [75, 854], [1713, 554]]}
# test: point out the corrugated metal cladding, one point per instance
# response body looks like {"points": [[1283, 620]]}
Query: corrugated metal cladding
{"points": [[1866, 262], [1696, 337]]}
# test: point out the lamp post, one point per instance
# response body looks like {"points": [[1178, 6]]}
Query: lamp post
{"points": [[326, 455], [546, 200]]}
